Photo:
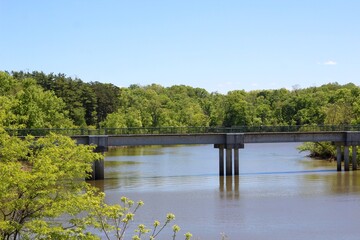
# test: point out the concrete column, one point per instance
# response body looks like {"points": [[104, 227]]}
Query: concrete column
{"points": [[346, 158], [228, 161], [236, 161], [221, 160], [338, 157], [98, 167], [354, 153]]}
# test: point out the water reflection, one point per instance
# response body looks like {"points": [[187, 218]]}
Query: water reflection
{"points": [[100, 184], [229, 187], [177, 168], [345, 183]]}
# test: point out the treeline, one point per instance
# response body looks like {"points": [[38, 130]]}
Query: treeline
{"points": [[39, 100]]}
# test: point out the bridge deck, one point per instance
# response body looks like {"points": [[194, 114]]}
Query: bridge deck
{"points": [[229, 141], [347, 138]]}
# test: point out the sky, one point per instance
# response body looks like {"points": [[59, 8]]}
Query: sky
{"points": [[218, 45]]}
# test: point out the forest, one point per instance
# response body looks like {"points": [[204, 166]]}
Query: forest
{"points": [[39, 100]]}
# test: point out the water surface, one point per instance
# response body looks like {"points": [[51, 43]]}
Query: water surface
{"points": [[280, 193]]}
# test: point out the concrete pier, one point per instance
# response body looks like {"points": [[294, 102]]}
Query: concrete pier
{"points": [[233, 142], [98, 167], [228, 162], [338, 157], [351, 139], [221, 160], [236, 161], [346, 158], [354, 155]]}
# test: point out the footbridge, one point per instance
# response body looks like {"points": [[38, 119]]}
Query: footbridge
{"points": [[228, 141]]}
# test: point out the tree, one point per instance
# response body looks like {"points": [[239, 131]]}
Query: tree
{"points": [[27, 105], [40, 109], [237, 109], [43, 194], [114, 120], [7, 118], [79, 97], [40, 180], [214, 108], [107, 98]]}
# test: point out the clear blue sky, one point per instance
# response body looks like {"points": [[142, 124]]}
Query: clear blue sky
{"points": [[217, 45]]}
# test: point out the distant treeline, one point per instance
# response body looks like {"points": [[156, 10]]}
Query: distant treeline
{"points": [[39, 100]]}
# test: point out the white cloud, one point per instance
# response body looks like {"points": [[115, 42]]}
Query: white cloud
{"points": [[330, 62]]}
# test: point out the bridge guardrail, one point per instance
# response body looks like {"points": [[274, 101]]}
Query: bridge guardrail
{"points": [[180, 130]]}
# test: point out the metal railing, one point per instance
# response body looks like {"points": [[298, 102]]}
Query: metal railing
{"points": [[181, 130]]}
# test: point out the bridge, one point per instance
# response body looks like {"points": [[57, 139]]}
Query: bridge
{"points": [[226, 140]]}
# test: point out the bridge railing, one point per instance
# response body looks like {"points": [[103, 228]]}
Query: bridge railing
{"points": [[180, 130]]}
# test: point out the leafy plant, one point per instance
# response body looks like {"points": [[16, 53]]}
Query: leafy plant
{"points": [[43, 194]]}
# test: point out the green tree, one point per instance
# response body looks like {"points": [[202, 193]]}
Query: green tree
{"points": [[79, 97], [214, 107], [43, 194], [114, 120], [237, 109], [40, 109], [40, 180], [8, 118], [27, 105], [107, 98]]}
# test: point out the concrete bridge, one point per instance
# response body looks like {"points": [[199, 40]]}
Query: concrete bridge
{"points": [[228, 144]]}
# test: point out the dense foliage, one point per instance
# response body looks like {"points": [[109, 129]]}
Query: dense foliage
{"points": [[43, 194], [95, 104], [40, 179]]}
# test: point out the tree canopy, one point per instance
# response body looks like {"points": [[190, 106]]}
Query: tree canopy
{"points": [[98, 104]]}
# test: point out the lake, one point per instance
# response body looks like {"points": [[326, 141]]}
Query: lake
{"points": [[280, 193]]}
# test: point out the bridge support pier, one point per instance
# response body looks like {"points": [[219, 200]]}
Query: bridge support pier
{"points": [[221, 159], [226, 167], [228, 162], [354, 153], [352, 139], [346, 158], [346, 155], [98, 166], [234, 141], [236, 161], [338, 157]]}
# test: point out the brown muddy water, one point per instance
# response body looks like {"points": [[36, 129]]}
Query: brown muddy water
{"points": [[280, 193]]}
